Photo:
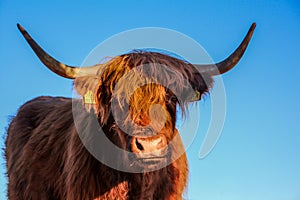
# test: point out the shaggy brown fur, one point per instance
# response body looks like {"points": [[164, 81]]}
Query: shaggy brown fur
{"points": [[47, 160]]}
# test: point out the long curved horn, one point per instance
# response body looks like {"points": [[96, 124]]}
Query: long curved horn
{"points": [[54, 65], [227, 64]]}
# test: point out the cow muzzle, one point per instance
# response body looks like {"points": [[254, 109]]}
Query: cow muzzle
{"points": [[149, 151]]}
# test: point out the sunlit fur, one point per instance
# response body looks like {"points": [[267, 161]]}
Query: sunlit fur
{"points": [[47, 160]]}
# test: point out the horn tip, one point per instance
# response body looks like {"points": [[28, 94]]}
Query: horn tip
{"points": [[20, 27], [253, 25]]}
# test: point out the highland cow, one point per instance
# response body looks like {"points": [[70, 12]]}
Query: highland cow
{"points": [[50, 140]]}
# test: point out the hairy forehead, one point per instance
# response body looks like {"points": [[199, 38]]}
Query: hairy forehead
{"points": [[151, 67]]}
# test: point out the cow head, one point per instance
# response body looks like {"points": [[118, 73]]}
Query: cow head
{"points": [[135, 96]]}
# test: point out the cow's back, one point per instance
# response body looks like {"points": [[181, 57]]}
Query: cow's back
{"points": [[35, 147]]}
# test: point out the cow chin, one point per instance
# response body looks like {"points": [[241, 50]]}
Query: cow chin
{"points": [[149, 161]]}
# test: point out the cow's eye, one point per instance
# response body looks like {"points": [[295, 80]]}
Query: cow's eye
{"points": [[174, 99]]}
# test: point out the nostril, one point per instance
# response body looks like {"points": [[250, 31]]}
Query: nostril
{"points": [[139, 145], [162, 142]]}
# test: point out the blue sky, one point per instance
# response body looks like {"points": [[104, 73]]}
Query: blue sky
{"points": [[258, 154]]}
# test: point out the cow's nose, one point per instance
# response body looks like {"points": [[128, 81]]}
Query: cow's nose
{"points": [[151, 145]]}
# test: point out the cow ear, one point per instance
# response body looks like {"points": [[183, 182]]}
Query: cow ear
{"points": [[87, 87]]}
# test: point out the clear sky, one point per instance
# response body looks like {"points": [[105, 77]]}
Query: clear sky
{"points": [[258, 154]]}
